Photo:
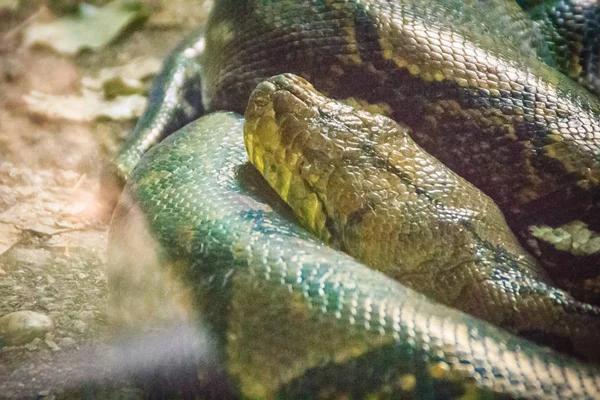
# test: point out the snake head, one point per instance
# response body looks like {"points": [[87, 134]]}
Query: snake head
{"points": [[306, 146], [359, 182]]}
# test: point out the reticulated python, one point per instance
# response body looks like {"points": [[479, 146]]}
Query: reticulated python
{"points": [[293, 317]]}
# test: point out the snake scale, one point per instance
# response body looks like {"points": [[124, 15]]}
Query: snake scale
{"points": [[199, 229]]}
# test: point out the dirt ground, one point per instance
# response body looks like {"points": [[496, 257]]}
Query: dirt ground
{"points": [[52, 246]]}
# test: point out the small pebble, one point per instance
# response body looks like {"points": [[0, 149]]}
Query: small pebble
{"points": [[34, 344], [50, 343], [86, 315], [79, 326], [67, 342], [22, 327]]}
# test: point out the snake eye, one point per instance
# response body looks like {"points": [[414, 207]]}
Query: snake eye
{"points": [[304, 167], [317, 155]]}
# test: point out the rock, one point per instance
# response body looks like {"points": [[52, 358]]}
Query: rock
{"points": [[67, 342], [79, 326], [22, 327], [51, 343], [34, 344], [86, 315]]}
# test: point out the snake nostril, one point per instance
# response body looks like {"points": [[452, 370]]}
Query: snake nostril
{"points": [[284, 102], [261, 94]]}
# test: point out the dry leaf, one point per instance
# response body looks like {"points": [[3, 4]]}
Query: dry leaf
{"points": [[92, 28], [86, 107]]}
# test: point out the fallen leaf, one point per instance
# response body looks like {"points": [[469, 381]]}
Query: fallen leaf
{"points": [[92, 28], [85, 107], [9, 4], [9, 236], [124, 80]]}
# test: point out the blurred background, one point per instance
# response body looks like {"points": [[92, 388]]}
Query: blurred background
{"points": [[73, 80]]}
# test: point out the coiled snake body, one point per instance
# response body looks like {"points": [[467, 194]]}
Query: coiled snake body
{"points": [[293, 317]]}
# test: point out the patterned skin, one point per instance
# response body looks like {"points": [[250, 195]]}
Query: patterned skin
{"points": [[472, 85], [291, 316], [508, 123], [570, 29], [450, 70], [359, 182]]}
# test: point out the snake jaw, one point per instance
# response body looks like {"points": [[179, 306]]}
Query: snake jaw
{"points": [[275, 131], [300, 140]]}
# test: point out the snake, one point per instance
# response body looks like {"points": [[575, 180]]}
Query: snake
{"points": [[198, 227]]}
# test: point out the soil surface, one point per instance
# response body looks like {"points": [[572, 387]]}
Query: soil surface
{"points": [[52, 245]]}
